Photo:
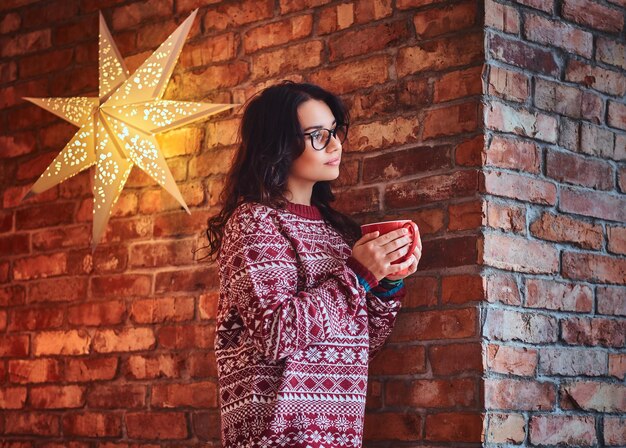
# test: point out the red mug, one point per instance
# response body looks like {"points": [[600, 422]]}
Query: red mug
{"points": [[389, 226]]}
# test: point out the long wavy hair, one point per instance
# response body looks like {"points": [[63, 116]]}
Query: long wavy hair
{"points": [[270, 139]]}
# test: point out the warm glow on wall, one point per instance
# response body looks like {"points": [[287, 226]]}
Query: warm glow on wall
{"points": [[117, 129]]}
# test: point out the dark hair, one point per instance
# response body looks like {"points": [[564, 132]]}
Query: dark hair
{"points": [[270, 139]]}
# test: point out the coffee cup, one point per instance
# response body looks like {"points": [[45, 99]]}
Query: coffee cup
{"points": [[385, 227]]}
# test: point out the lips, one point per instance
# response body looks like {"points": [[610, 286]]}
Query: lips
{"points": [[333, 161]]}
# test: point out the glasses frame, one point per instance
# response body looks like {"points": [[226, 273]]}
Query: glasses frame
{"points": [[331, 133]]}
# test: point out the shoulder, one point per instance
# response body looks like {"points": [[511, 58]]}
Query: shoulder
{"points": [[250, 217]]}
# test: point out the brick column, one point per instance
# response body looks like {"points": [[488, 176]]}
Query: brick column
{"points": [[554, 237]]}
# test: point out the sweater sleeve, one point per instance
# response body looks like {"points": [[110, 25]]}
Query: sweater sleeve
{"points": [[262, 269], [382, 308]]}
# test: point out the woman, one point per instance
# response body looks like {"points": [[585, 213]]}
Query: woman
{"points": [[305, 302]]}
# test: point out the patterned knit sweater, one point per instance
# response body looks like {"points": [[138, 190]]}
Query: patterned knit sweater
{"points": [[298, 321]]}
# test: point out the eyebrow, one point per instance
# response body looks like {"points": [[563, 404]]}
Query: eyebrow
{"points": [[318, 126]]}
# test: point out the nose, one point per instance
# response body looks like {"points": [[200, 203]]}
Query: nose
{"points": [[334, 144]]}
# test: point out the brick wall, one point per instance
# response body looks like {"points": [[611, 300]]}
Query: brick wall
{"points": [[118, 345], [554, 239]]}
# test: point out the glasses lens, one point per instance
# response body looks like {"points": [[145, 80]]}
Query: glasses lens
{"points": [[342, 132], [320, 139]]}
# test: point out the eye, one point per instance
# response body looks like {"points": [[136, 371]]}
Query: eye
{"points": [[318, 136]]}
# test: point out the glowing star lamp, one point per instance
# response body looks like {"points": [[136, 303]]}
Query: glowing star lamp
{"points": [[117, 128]]}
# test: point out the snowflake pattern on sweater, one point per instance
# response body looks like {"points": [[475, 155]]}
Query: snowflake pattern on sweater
{"points": [[298, 321]]}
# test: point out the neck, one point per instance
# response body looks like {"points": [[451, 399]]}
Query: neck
{"points": [[299, 192]]}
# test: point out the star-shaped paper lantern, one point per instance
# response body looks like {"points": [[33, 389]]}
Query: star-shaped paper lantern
{"points": [[117, 129]]}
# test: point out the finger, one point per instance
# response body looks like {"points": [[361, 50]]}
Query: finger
{"points": [[387, 237], [397, 243], [398, 253], [369, 237]]}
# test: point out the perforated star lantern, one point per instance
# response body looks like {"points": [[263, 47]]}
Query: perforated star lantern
{"points": [[117, 129]]}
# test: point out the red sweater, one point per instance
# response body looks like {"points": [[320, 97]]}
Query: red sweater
{"points": [[298, 321]]}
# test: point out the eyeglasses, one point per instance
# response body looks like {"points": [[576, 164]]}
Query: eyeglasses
{"points": [[320, 138]]}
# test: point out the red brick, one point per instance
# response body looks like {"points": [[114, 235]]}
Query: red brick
{"points": [[520, 54], [454, 427], [567, 100], [429, 221], [617, 365], [611, 52], [97, 314], [209, 50], [607, 81], [277, 33], [448, 18], [506, 217], [611, 300], [121, 285], [390, 166], [12, 295], [297, 5], [462, 289], [90, 369], [430, 325], [440, 54], [519, 395], [186, 336], [432, 393], [358, 200], [237, 13], [519, 254], [593, 396], [64, 289], [622, 179], [617, 115], [92, 424], [574, 169], [30, 371], [10, 22], [179, 252], [125, 340], [12, 397], [457, 84], [431, 189], [502, 17], [469, 152], [41, 266], [25, 43], [405, 360], [71, 342], [36, 318], [57, 397], [383, 134], [113, 396], [206, 425], [592, 203], [162, 310], [507, 325], [421, 292], [507, 84], [562, 228], [504, 118], [32, 423], [335, 17], [594, 268], [561, 429], [506, 428], [465, 215], [614, 430], [502, 288], [351, 76], [519, 187], [196, 395], [597, 141], [46, 215], [403, 426], [450, 252], [594, 331], [519, 361], [593, 15], [558, 296], [156, 426], [558, 34], [166, 365], [204, 82], [508, 153], [202, 365], [451, 359], [450, 120], [616, 239], [572, 362], [367, 40], [43, 63]]}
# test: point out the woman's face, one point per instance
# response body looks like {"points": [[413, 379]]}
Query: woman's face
{"points": [[313, 165]]}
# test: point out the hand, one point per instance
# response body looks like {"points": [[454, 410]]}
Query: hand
{"points": [[417, 255], [377, 252]]}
